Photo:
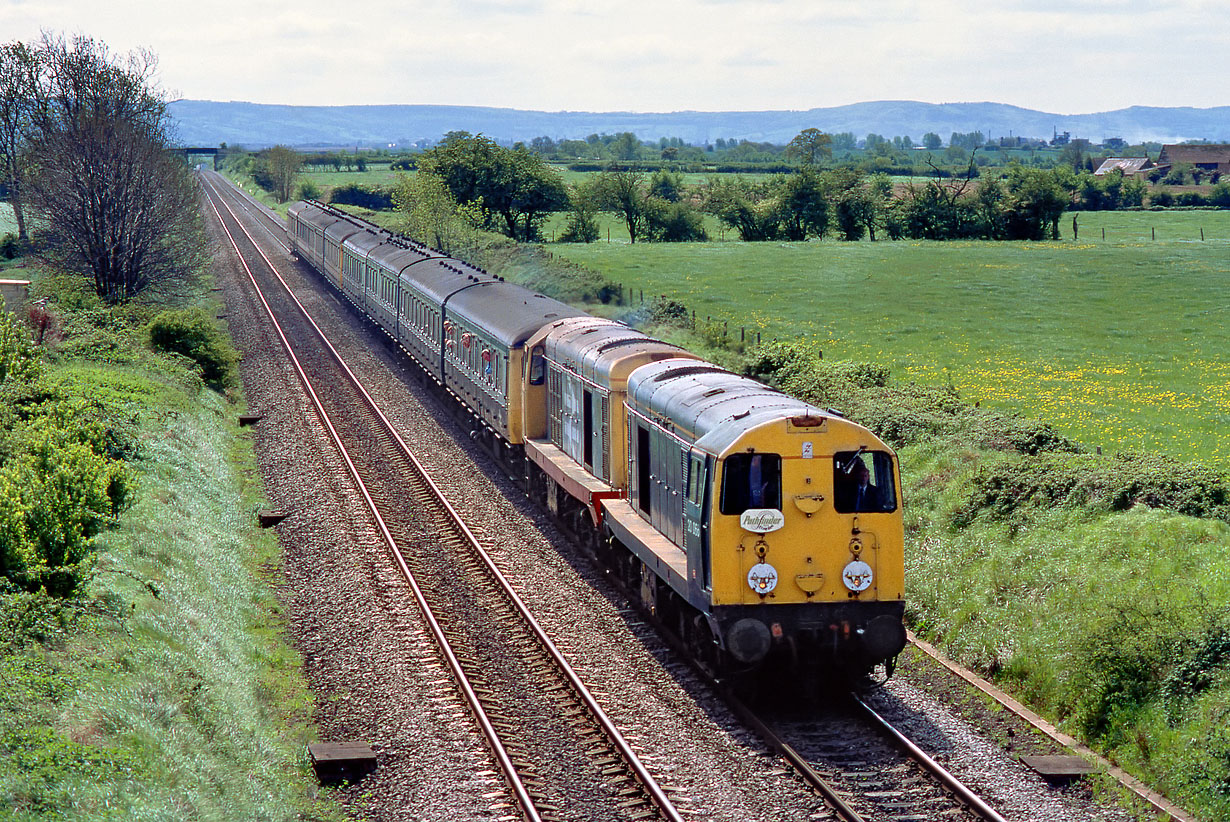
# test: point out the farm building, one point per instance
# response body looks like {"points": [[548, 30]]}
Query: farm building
{"points": [[1214, 159], [1128, 165]]}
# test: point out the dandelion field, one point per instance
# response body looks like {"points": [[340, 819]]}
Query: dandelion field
{"points": [[1123, 343]]}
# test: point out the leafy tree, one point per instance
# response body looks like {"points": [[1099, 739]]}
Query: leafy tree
{"points": [[803, 210], [515, 187], [117, 202], [811, 146], [931, 141], [1036, 199], [624, 193], [283, 164], [625, 146], [19, 76], [666, 185], [752, 209], [674, 222], [582, 226], [432, 216]]}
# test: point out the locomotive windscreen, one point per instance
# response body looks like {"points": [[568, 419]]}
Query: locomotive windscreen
{"points": [[751, 481], [863, 482]]}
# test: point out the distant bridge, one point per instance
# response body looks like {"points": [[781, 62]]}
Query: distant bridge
{"points": [[188, 153]]}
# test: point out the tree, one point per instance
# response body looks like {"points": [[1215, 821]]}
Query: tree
{"points": [[810, 146], [803, 208], [283, 165], [666, 185], [582, 224], [623, 192], [432, 216], [625, 146], [515, 187], [19, 75], [1036, 199], [931, 141], [116, 201]]}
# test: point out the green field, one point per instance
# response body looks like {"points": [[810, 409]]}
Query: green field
{"points": [[1123, 343], [7, 223]]}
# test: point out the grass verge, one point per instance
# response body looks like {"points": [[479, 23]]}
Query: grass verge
{"points": [[165, 689]]}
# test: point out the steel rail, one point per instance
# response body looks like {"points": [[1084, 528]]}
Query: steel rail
{"points": [[488, 729], [655, 792], [797, 761], [964, 794]]}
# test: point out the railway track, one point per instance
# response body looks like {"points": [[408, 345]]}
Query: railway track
{"points": [[561, 756], [549, 734]]}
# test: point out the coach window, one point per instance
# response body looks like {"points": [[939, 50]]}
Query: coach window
{"points": [[751, 481]]}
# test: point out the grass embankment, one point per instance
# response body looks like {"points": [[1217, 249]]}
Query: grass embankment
{"points": [[164, 687]]}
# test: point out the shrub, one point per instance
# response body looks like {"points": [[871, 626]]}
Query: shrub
{"points": [[9, 247], [194, 335], [375, 198], [18, 357], [54, 499], [309, 190], [1009, 489], [1125, 663]]}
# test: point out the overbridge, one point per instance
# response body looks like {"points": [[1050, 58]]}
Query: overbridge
{"points": [[189, 153]]}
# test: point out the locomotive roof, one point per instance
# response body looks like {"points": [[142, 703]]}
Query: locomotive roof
{"points": [[707, 405], [601, 350], [510, 313]]}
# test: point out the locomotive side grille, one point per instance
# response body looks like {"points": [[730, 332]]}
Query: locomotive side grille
{"points": [[606, 438]]}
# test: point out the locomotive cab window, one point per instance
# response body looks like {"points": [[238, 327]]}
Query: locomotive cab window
{"points": [[751, 481], [863, 482], [538, 365]]}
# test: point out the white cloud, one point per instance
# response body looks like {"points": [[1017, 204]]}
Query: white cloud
{"points": [[1058, 55]]}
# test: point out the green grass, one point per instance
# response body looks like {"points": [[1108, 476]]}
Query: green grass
{"points": [[168, 691], [1121, 344], [8, 224]]}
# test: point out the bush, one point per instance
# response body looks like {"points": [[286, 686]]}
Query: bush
{"points": [[375, 198], [55, 497], [19, 360], [1007, 490], [9, 247], [194, 335], [308, 190]]}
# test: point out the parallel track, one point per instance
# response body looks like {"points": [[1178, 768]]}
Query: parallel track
{"points": [[561, 756]]}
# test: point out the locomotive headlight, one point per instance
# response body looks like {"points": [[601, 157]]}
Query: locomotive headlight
{"points": [[857, 576], [762, 578]]}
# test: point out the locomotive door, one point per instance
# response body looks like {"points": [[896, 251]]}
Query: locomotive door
{"points": [[571, 418], [695, 530]]}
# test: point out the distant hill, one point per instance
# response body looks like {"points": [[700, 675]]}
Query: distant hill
{"points": [[207, 123]]}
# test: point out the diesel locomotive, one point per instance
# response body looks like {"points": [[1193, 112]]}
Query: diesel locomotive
{"points": [[759, 529]]}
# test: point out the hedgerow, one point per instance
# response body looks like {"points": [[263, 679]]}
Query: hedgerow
{"points": [[1012, 488]]}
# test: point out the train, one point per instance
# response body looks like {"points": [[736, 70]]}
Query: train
{"points": [[759, 530]]}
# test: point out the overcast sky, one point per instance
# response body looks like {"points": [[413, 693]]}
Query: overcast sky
{"points": [[1058, 56]]}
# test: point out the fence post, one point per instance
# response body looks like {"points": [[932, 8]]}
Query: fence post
{"points": [[1153, 231]]}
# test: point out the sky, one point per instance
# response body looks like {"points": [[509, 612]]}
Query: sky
{"points": [[1058, 56]]}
